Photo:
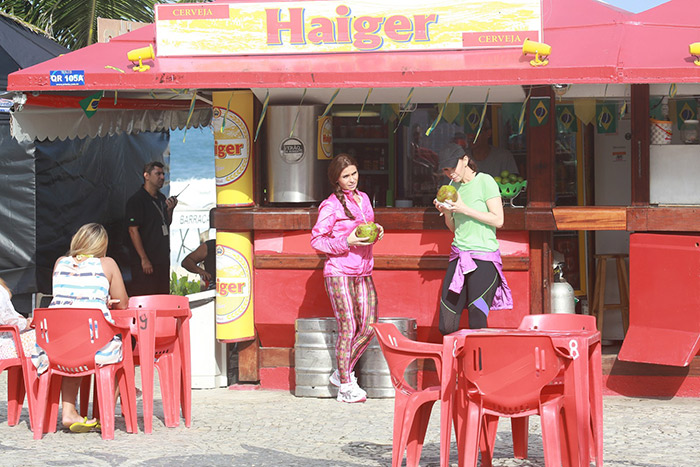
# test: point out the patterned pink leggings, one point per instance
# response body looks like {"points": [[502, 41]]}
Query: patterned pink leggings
{"points": [[354, 302]]}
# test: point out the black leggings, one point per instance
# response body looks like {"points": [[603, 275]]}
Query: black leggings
{"points": [[479, 289]]}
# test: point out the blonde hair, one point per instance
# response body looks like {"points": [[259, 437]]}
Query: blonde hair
{"points": [[4, 286], [89, 240]]}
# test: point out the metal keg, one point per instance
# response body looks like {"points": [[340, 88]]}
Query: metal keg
{"points": [[372, 370], [314, 357], [562, 296]]}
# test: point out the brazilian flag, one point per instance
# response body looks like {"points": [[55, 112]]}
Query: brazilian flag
{"points": [[510, 114], [90, 103], [606, 117], [686, 109], [472, 117], [566, 119], [386, 113], [539, 111]]}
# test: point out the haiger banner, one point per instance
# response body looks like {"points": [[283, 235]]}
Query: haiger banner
{"points": [[234, 287], [354, 26], [232, 119]]}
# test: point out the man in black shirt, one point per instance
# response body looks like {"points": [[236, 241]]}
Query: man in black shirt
{"points": [[148, 215]]}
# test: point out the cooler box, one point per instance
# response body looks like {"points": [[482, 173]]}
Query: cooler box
{"points": [[208, 355]]}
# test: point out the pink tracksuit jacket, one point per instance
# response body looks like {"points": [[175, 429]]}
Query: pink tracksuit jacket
{"points": [[331, 231]]}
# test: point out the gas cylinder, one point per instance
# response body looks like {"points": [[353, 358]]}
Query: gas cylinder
{"points": [[563, 299]]}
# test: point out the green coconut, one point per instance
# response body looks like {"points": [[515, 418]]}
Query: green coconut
{"points": [[447, 192], [368, 230]]}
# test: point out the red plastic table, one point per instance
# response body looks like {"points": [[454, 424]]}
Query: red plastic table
{"points": [[583, 392], [146, 319]]}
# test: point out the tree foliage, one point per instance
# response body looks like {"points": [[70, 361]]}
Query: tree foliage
{"points": [[73, 23]]}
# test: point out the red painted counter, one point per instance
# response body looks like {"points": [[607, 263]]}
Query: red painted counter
{"points": [[282, 295]]}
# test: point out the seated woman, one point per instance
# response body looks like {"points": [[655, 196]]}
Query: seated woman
{"points": [[86, 278], [9, 317]]}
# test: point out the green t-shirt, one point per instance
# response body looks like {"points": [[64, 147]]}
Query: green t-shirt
{"points": [[471, 234]]}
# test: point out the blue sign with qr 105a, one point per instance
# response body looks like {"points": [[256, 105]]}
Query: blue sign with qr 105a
{"points": [[67, 77]]}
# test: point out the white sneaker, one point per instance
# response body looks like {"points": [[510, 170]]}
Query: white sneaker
{"points": [[351, 392], [335, 378]]}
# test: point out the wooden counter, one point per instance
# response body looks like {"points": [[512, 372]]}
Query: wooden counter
{"points": [[630, 218]]}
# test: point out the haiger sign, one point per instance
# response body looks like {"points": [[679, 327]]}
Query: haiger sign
{"points": [[336, 26]]}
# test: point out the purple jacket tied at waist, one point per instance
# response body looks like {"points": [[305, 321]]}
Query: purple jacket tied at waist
{"points": [[503, 300]]}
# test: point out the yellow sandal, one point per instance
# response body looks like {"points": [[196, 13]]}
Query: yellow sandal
{"points": [[82, 427]]}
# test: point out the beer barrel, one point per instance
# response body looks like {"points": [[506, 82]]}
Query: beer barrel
{"points": [[314, 357], [372, 370]]}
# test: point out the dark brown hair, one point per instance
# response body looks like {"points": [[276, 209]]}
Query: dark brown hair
{"points": [[338, 164], [471, 164], [152, 165]]}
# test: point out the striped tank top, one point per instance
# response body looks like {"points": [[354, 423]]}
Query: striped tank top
{"points": [[83, 284], [80, 284]]}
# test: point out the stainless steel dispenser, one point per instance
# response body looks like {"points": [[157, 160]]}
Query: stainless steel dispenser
{"points": [[294, 173]]}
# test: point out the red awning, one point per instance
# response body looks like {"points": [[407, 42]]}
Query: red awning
{"points": [[591, 43]]}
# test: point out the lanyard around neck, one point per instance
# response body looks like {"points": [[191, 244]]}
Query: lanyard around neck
{"points": [[160, 211]]}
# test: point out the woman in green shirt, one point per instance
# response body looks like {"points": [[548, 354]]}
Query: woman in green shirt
{"points": [[474, 277]]}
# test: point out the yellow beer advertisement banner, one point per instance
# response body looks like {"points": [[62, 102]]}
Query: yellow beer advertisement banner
{"points": [[232, 122], [333, 26], [234, 286], [325, 139]]}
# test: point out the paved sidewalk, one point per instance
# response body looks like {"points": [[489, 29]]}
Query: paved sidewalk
{"points": [[275, 428]]}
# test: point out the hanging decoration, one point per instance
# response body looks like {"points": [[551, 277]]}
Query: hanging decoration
{"points": [[228, 107], [471, 118], [296, 117], [461, 118], [686, 109], [90, 103], [439, 115], [606, 117], [266, 102], [539, 111], [509, 114], [585, 110], [483, 115], [369, 93], [189, 115], [330, 103], [623, 109], [452, 111], [566, 118], [386, 113], [406, 106], [521, 120], [656, 107], [672, 90]]}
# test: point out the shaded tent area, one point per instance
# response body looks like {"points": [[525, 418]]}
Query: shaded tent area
{"points": [[50, 188]]}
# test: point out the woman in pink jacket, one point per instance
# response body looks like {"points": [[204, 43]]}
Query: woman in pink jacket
{"points": [[347, 271]]}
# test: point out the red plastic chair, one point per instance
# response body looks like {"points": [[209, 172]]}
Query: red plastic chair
{"points": [[173, 356], [71, 337], [559, 322], [505, 376], [21, 380], [411, 406], [565, 322]]}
